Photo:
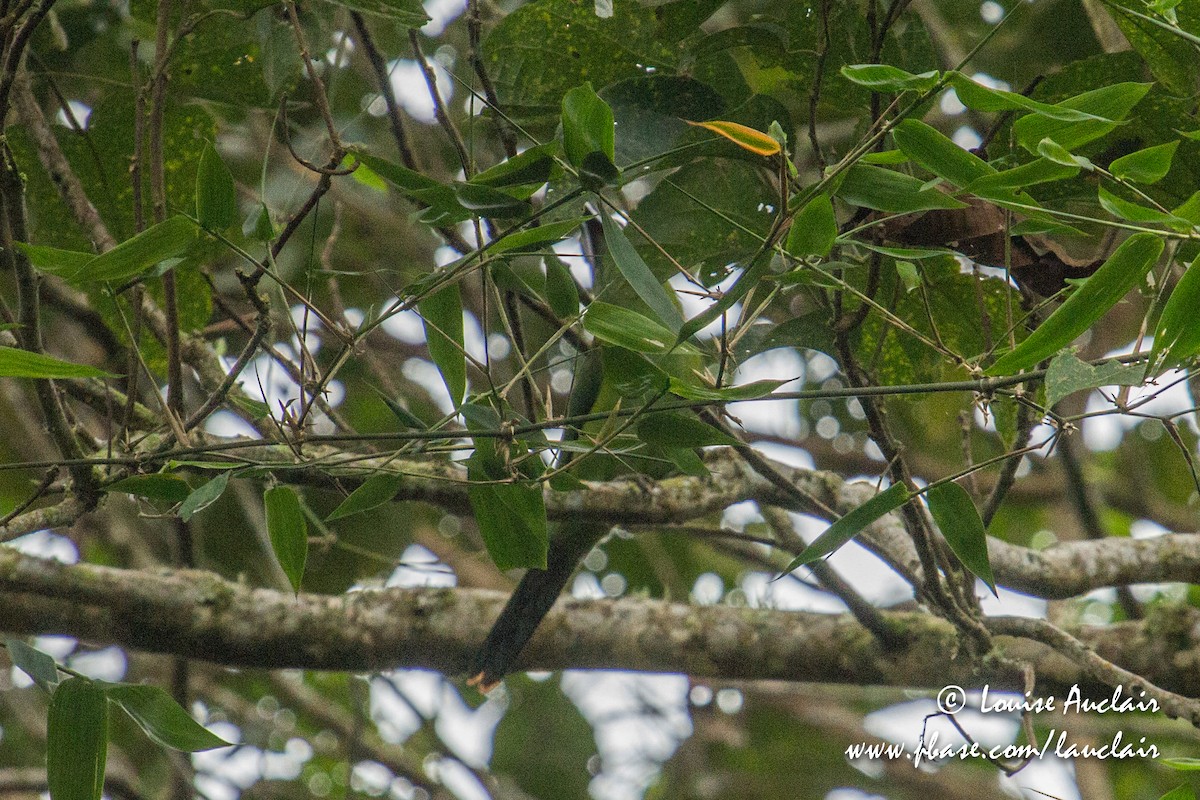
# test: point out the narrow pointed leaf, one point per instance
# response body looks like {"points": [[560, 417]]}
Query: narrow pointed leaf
{"points": [[535, 238], [625, 328], [1177, 337], [587, 125], [76, 740], [163, 719], [288, 531], [851, 525], [1043, 170], [134, 256], [938, 154], [1145, 166], [511, 518], [561, 291], [204, 497], [216, 196], [673, 429], [886, 78], [1110, 102], [535, 166], [743, 136], [443, 317], [1124, 270], [635, 270], [960, 524], [814, 229], [374, 492], [891, 191], [54, 261], [1049, 149], [160, 486], [18, 363], [33, 662], [984, 98]]}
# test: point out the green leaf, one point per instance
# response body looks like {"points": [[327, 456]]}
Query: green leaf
{"points": [[1145, 166], [1043, 170], [288, 531], [1124, 269], [886, 78], [159, 486], [18, 363], [409, 13], [52, 260], [163, 720], [134, 256], [204, 496], [533, 167], [960, 524], [639, 275], [891, 191], [1052, 150], [488, 202], [1183, 763], [440, 199], [561, 291], [535, 238], [850, 525], [1177, 337], [1110, 102], [1181, 792], [938, 154], [984, 98], [374, 492], [216, 196], [442, 315], [1134, 212], [33, 662], [629, 329], [672, 429], [814, 229], [729, 394], [511, 519], [587, 125], [76, 740], [1067, 375]]}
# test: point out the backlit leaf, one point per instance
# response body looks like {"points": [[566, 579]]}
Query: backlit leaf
{"points": [[960, 524], [850, 525], [744, 137]]}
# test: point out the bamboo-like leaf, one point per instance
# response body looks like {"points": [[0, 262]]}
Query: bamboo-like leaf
{"points": [[216, 196], [938, 154], [850, 525], [1123, 270], [1177, 337], [134, 256], [743, 136], [288, 531], [374, 492], [159, 486], [1145, 166], [640, 278], [814, 229], [886, 78], [1109, 102], [18, 363], [204, 497], [76, 740], [163, 719], [443, 317], [960, 524], [891, 191], [33, 662]]}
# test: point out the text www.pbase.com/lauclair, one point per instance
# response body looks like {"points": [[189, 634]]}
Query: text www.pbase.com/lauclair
{"points": [[1055, 743]]}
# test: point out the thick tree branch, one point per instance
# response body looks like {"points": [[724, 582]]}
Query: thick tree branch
{"points": [[200, 615]]}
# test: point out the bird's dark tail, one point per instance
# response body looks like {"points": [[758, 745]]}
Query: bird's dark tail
{"points": [[529, 604]]}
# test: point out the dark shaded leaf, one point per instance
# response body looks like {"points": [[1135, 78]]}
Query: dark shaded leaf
{"points": [[204, 497], [288, 531], [216, 196], [443, 317], [374, 492], [134, 256], [163, 719], [960, 524], [673, 429], [160, 486], [76, 740], [1124, 269], [33, 662], [850, 525], [814, 229]]}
